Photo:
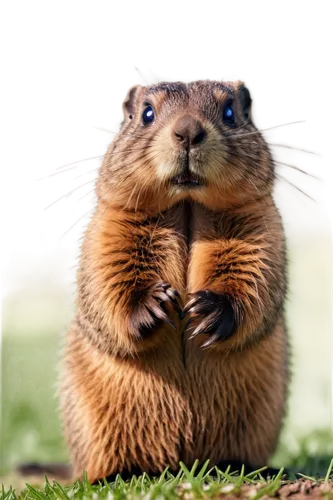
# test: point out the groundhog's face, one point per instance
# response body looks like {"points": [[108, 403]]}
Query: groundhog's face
{"points": [[194, 141]]}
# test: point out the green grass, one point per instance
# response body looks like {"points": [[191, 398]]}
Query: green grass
{"points": [[188, 484]]}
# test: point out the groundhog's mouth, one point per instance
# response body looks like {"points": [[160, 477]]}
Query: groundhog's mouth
{"points": [[187, 179]]}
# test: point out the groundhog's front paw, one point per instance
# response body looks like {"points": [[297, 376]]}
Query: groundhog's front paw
{"points": [[152, 308], [212, 315]]}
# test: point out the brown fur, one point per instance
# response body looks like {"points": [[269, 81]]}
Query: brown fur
{"points": [[142, 388]]}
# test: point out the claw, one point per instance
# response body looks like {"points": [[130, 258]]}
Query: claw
{"points": [[210, 341], [164, 286], [188, 306], [214, 315], [176, 306], [188, 322], [197, 309], [171, 295], [158, 312], [196, 331], [160, 296]]}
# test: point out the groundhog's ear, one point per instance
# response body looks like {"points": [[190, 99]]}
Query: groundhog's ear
{"points": [[245, 98], [131, 101], [149, 78], [128, 103]]}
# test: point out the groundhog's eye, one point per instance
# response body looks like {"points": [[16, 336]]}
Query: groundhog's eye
{"points": [[148, 115], [228, 114]]}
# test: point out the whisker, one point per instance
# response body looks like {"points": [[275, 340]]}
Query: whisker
{"points": [[71, 227], [143, 156], [246, 143], [67, 194], [143, 78], [124, 151], [76, 222], [108, 131], [86, 173], [263, 130], [252, 156], [293, 148], [129, 148], [55, 173], [85, 196], [67, 169], [279, 176], [298, 169], [79, 161], [75, 165]]}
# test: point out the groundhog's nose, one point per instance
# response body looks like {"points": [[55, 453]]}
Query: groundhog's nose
{"points": [[189, 131]]}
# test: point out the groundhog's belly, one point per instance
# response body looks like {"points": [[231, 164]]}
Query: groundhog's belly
{"points": [[237, 402], [150, 413]]}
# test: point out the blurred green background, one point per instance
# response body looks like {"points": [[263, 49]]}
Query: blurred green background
{"points": [[35, 319]]}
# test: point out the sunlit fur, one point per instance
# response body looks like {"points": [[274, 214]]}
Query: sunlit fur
{"points": [[140, 402]]}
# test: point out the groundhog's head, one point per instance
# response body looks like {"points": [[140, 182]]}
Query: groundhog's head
{"points": [[186, 141]]}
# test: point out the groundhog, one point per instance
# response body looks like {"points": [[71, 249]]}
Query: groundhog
{"points": [[178, 349]]}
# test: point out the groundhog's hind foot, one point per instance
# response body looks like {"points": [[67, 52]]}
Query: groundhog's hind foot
{"points": [[213, 315], [152, 308]]}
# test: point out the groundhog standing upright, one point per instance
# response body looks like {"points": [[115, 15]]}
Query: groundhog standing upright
{"points": [[178, 349]]}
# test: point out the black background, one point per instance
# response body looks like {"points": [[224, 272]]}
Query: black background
{"points": [[61, 99]]}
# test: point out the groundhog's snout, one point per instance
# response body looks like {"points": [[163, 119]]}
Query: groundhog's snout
{"points": [[188, 131]]}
